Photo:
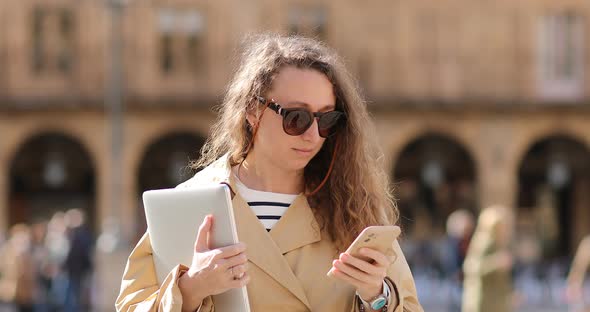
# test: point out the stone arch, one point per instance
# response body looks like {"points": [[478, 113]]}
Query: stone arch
{"points": [[165, 164], [552, 198], [434, 174], [51, 171]]}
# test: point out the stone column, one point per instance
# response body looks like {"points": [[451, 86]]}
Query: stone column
{"points": [[497, 173]]}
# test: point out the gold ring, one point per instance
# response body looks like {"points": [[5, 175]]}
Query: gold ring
{"points": [[236, 277]]}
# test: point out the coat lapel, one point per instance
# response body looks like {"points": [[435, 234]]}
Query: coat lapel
{"points": [[295, 229], [263, 251]]}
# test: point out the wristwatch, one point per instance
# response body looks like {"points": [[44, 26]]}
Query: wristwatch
{"points": [[378, 302]]}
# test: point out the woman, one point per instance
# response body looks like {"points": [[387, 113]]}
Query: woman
{"points": [[17, 270], [487, 267], [576, 277], [293, 142]]}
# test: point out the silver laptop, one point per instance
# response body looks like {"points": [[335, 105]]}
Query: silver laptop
{"points": [[173, 218]]}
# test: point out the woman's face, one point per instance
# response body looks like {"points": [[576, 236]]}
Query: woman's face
{"points": [[292, 87]]}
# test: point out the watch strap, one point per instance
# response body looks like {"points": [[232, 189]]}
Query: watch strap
{"points": [[363, 305]]}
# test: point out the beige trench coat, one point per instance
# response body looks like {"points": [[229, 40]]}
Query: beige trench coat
{"points": [[287, 265]]}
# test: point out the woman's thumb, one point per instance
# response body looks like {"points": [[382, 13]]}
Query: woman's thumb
{"points": [[202, 242]]}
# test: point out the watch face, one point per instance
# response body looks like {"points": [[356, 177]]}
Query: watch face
{"points": [[378, 303]]}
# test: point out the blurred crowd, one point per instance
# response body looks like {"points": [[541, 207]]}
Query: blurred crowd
{"points": [[489, 265], [46, 266], [486, 263]]}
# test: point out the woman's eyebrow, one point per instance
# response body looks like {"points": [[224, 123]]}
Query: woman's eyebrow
{"points": [[303, 104]]}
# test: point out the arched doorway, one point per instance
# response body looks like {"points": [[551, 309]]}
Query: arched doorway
{"points": [[433, 176], [50, 172], [165, 165], [554, 183]]}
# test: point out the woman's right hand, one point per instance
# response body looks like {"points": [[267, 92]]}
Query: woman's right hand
{"points": [[213, 271]]}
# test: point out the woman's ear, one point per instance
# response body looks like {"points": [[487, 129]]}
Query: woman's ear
{"points": [[251, 115], [251, 119]]}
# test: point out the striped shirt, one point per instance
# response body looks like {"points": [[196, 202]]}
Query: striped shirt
{"points": [[269, 207]]}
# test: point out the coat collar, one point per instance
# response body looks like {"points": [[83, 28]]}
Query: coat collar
{"points": [[298, 227]]}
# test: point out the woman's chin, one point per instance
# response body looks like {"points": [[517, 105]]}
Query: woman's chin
{"points": [[299, 164]]}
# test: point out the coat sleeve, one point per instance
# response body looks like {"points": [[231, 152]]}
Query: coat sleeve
{"points": [[139, 286], [401, 285]]}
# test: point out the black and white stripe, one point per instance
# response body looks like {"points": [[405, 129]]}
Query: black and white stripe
{"points": [[269, 213], [267, 206]]}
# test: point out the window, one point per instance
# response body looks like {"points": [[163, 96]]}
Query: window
{"points": [[561, 56], [166, 55], [38, 57], [66, 38], [181, 41], [194, 43], [309, 22], [52, 34]]}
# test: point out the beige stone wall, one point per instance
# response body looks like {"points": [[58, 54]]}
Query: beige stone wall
{"points": [[87, 128], [478, 57], [141, 130], [86, 79], [480, 132], [419, 50], [496, 142], [92, 131], [457, 51]]}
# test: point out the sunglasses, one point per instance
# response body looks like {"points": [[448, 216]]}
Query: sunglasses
{"points": [[297, 120]]}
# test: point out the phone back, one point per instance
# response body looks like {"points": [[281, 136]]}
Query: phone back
{"points": [[380, 238]]}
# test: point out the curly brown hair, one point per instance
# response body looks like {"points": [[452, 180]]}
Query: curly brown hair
{"points": [[357, 193]]}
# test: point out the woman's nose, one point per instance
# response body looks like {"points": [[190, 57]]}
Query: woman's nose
{"points": [[313, 132]]}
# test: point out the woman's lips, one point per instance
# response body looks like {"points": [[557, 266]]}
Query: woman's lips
{"points": [[303, 152]]}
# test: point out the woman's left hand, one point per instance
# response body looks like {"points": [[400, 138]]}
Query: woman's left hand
{"points": [[365, 276]]}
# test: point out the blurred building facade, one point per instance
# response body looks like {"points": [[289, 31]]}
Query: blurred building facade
{"points": [[476, 102]]}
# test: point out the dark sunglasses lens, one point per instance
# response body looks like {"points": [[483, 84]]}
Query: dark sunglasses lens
{"points": [[296, 122], [328, 123]]}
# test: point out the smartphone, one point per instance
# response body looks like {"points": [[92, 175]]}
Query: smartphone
{"points": [[379, 237]]}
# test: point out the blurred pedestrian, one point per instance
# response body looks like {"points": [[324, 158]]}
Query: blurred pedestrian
{"points": [[78, 264], [487, 267], [41, 266], [17, 273], [575, 280], [460, 226], [58, 246]]}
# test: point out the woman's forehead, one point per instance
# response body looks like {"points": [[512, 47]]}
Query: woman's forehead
{"points": [[299, 87]]}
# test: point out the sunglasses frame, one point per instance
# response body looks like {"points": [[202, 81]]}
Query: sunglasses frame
{"points": [[277, 108]]}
